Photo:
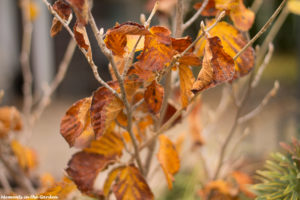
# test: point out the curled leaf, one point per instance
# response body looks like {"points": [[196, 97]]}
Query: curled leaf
{"points": [[168, 158], [232, 41], [131, 185], [82, 38], [76, 126], [154, 95], [81, 9], [217, 66], [64, 11]]}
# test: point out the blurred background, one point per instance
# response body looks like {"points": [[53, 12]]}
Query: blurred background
{"points": [[279, 120]]}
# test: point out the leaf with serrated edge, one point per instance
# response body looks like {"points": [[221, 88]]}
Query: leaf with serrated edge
{"points": [[168, 158]]}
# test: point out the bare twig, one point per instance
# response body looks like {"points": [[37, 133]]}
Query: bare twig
{"points": [[263, 103], [263, 66], [179, 18], [273, 32], [262, 30], [195, 16], [62, 69], [87, 56], [4, 181], [24, 58]]}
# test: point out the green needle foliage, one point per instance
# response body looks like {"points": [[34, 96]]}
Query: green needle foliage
{"points": [[280, 179]]}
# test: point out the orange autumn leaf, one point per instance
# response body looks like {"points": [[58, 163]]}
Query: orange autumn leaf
{"points": [[217, 66], [10, 120], [84, 167], [109, 145], [242, 17], [62, 190], [81, 38], [226, 4], [187, 79], [153, 96], [111, 177], [168, 158], [131, 185], [144, 123], [64, 11], [26, 156], [218, 190], [76, 126], [122, 119], [232, 41], [117, 38], [106, 106], [157, 51], [81, 9]]}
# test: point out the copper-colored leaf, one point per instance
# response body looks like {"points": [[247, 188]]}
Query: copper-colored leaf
{"points": [[10, 120], [157, 51], [64, 11], [232, 41], [217, 66], [84, 167], [186, 82], [116, 38], [26, 157], [81, 9], [209, 10], [226, 4], [81, 38], [153, 96], [242, 17], [131, 185], [106, 106], [76, 126], [109, 145], [168, 158], [219, 189]]}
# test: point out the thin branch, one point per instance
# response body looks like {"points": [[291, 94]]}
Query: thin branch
{"points": [[263, 66], [62, 69], [1, 95], [273, 32], [262, 30], [179, 18], [87, 56], [24, 58], [99, 36], [263, 103], [4, 181], [195, 16]]}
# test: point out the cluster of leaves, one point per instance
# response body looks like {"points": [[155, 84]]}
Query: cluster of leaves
{"points": [[99, 124], [281, 177]]}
